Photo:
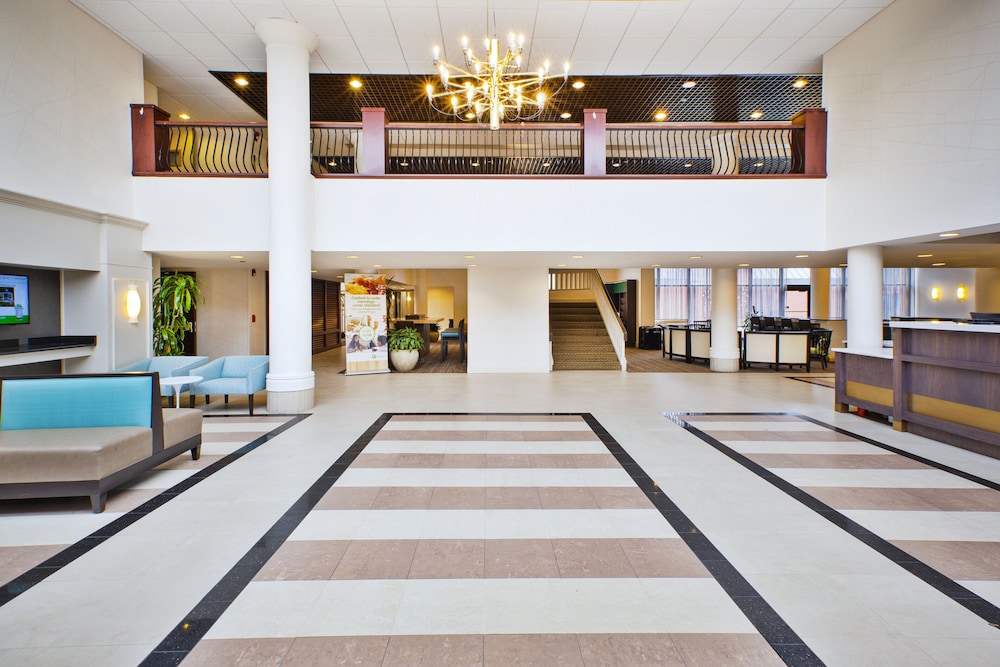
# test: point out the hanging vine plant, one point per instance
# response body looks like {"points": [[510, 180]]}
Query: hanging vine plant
{"points": [[174, 296]]}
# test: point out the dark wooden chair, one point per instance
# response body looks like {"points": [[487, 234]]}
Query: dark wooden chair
{"points": [[456, 334], [819, 344]]}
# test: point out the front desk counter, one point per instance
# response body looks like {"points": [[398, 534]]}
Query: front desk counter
{"points": [[940, 380], [775, 348], [691, 341]]}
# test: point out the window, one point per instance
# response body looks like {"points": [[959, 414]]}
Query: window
{"points": [[897, 293], [838, 294], [683, 294]]}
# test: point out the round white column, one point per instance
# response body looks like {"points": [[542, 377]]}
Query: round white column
{"points": [[724, 355], [290, 381], [864, 298]]}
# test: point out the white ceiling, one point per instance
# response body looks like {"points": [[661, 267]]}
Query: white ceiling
{"points": [[182, 40]]}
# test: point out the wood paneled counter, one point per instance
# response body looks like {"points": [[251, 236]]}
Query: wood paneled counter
{"points": [[941, 380]]}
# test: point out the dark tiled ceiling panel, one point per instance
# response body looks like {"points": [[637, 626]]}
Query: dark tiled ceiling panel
{"points": [[628, 99]]}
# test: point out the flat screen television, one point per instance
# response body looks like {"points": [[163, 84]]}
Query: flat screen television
{"points": [[985, 318], [14, 300]]}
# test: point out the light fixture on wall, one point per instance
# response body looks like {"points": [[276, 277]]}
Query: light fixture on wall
{"points": [[935, 293], [133, 304], [961, 292], [493, 89]]}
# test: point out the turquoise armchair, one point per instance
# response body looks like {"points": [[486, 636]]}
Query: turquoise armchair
{"points": [[230, 375], [166, 367]]}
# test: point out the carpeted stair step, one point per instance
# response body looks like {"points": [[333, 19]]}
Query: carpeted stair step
{"points": [[580, 341]]}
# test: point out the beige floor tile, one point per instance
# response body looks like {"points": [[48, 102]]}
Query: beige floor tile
{"points": [[518, 559], [566, 497], [958, 560], [619, 498], [252, 652], [403, 497], [376, 559], [713, 650], [434, 651], [348, 498], [448, 559], [852, 461], [512, 498], [335, 651], [662, 557], [600, 650], [457, 498], [508, 461], [303, 560], [531, 651], [578, 559]]}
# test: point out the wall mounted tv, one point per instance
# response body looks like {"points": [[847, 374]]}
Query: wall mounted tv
{"points": [[13, 299]]}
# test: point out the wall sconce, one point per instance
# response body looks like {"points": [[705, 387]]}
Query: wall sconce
{"points": [[935, 293], [133, 304], [961, 292]]}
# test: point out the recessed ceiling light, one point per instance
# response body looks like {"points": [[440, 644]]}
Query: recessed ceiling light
{"points": [[744, 265], [687, 165], [404, 163], [476, 163], [313, 271], [332, 163], [355, 83], [470, 115], [184, 116], [560, 265], [241, 81], [800, 83], [843, 265], [236, 257], [660, 115], [694, 257], [949, 235], [616, 164], [352, 257], [565, 114], [925, 255], [758, 164], [471, 265], [340, 276], [756, 114], [578, 85], [801, 256], [377, 266], [577, 257], [470, 256], [689, 84], [938, 264], [546, 163], [656, 266]]}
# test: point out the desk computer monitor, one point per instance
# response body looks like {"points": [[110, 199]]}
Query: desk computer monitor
{"points": [[985, 318]]}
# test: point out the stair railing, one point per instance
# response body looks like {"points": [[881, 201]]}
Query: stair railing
{"points": [[590, 280]]}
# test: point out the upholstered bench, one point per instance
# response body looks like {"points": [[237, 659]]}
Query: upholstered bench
{"points": [[85, 435]]}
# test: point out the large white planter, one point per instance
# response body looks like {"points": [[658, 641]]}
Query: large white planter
{"points": [[404, 360]]}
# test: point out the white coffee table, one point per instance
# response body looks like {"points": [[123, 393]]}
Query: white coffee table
{"points": [[178, 381]]}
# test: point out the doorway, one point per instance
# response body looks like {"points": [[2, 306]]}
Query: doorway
{"points": [[797, 301]]}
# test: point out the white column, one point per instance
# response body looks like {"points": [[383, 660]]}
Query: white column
{"points": [[290, 381], [864, 298], [724, 355]]}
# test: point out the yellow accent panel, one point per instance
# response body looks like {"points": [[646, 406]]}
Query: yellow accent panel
{"points": [[957, 413], [870, 393]]}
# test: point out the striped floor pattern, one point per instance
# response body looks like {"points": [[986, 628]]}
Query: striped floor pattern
{"points": [[484, 540], [32, 531], [948, 521]]}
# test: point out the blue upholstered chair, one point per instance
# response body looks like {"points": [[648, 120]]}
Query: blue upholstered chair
{"points": [[231, 375], [166, 367]]}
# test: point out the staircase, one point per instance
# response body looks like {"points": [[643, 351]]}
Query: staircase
{"points": [[579, 340]]}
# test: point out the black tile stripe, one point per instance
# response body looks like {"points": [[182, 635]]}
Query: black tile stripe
{"points": [[186, 634], [941, 582], [810, 381], [182, 640], [48, 567], [785, 642]]}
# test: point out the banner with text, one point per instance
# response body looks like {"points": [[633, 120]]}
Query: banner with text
{"points": [[366, 324]]}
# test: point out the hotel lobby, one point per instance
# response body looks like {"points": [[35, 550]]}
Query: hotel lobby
{"points": [[509, 514]]}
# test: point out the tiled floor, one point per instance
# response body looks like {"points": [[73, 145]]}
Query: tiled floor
{"points": [[479, 546]]}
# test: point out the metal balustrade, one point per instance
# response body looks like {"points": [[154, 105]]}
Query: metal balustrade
{"points": [[538, 150], [719, 150], [535, 150]]}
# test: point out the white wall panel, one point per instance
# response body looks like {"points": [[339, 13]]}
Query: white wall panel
{"points": [[508, 320]]}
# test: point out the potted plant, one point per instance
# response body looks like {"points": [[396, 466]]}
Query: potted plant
{"points": [[404, 348], [174, 295]]}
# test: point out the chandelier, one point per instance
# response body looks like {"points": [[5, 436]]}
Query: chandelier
{"points": [[494, 89]]}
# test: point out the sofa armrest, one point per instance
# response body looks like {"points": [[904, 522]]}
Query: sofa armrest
{"points": [[209, 371], [257, 377]]}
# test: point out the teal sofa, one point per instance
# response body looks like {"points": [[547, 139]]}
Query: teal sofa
{"points": [[83, 435], [241, 374], [165, 366]]}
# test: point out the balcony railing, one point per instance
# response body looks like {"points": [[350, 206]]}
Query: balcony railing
{"points": [[792, 149]]}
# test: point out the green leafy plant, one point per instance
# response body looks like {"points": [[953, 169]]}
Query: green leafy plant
{"points": [[405, 338], [747, 320], [174, 296]]}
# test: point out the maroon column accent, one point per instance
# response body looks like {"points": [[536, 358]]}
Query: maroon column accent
{"points": [[594, 151], [373, 155], [149, 149], [811, 144]]}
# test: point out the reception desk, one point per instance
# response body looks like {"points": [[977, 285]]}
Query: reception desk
{"points": [[775, 348], [940, 380], [693, 342]]}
